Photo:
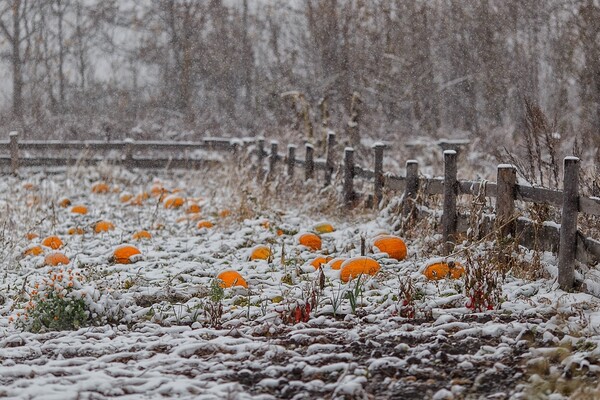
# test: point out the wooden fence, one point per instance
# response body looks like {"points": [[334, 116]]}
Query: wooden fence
{"points": [[564, 239]]}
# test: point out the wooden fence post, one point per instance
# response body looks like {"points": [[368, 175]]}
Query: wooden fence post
{"points": [[14, 151], [378, 173], [329, 162], [450, 192], [260, 151], [128, 152], [309, 162], [568, 224], [412, 187], [348, 175], [506, 179], [273, 158], [291, 160]]}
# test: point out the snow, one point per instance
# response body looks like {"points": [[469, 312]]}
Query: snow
{"points": [[154, 338]]}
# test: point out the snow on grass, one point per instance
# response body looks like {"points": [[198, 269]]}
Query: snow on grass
{"points": [[162, 326]]}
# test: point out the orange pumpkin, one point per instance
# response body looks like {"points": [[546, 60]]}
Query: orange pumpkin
{"points": [[139, 235], [103, 226], [55, 258], [173, 201], [231, 278], [53, 242], [124, 252], [224, 213], [392, 245], [100, 188], [260, 252], [157, 190], [193, 208], [336, 263], [356, 266], [31, 236], [76, 231], [79, 209], [204, 224], [33, 251], [320, 261], [324, 227], [310, 240], [443, 270], [125, 197], [64, 202]]}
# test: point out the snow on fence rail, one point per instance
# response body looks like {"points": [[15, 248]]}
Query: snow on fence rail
{"points": [[563, 239]]}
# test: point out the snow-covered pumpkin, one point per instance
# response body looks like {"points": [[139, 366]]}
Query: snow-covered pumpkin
{"points": [[33, 251], [140, 235], [260, 252], [173, 201], [204, 224], [55, 258], [356, 266], [103, 226], [193, 208], [31, 235], [392, 245], [64, 202], [76, 230], [54, 242], [124, 252], [319, 261], [125, 197], [310, 240], [324, 227], [100, 188], [336, 263], [224, 213], [79, 209], [231, 278], [443, 270]]}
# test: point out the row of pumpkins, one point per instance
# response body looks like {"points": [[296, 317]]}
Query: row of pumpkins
{"points": [[349, 268]]}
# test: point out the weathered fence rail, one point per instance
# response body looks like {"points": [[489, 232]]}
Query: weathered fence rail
{"points": [[562, 238]]}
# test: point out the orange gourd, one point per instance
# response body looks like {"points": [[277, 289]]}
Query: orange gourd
{"points": [[319, 261], [231, 278], [336, 263], [260, 252], [157, 190], [310, 240], [76, 231], [103, 226], [56, 258], [53, 242], [124, 252], [392, 245], [33, 251], [324, 227], [139, 235], [79, 209], [193, 208], [444, 270], [125, 197], [31, 236], [100, 188], [224, 213], [356, 266], [173, 201], [64, 202], [204, 224]]}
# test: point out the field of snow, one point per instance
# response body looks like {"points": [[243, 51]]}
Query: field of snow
{"points": [[162, 326]]}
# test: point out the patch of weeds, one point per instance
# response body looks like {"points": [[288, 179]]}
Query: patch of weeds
{"points": [[355, 296], [408, 297], [213, 308], [483, 284]]}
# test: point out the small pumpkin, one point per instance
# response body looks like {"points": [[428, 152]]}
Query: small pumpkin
{"points": [[231, 278], [103, 226], [336, 263], [224, 213], [319, 261], [173, 201], [64, 202], [444, 270], [54, 242], [260, 252], [33, 251], [79, 209], [157, 190], [100, 188], [55, 258], [76, 231], [324, 227], [124, 252], [356, 266], [392, 245], [204, 224], [125, 197], [193, 208], [32, 235], [310, 240], [140, 235]]}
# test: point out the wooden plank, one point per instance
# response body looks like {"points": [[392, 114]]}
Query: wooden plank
{"points": [[539, 195], [568, 224], [449, 216], [364, 173], [394, 182], [273, 158], [320, 164], [329, 157], [432, 185], [349, 169], [14, 151], [411, 188], [291, 160], [474, 187], [378, 181], [589, 205], [505, 199]]}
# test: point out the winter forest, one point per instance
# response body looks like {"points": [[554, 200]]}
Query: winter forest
{"points": [[390, 69]]}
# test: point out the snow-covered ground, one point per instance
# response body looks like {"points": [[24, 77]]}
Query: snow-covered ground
{"points": [[163, 328]]}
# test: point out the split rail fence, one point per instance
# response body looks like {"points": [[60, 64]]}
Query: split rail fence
{"points": [[563, 238]]}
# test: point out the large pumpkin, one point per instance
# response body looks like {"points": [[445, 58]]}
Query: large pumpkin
{"points": [[392, 245], [310, 240], [356, 266], [443, 270], [54, 242], [55, 258], [260, 252], [124, 252], [231, 278]]}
